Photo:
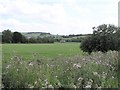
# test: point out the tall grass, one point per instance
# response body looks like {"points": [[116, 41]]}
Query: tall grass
{"points": [[98, 70]]}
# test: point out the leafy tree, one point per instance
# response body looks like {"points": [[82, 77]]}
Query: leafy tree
{"points": [[39, 39], [50, 40], [117, 39], [86, 45], [45, 40], [17, 37], [32, 40], [104, 38], [24, 39], [7, 36]]}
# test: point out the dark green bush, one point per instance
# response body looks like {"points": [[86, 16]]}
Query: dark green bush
{"points": [[104, 38]]}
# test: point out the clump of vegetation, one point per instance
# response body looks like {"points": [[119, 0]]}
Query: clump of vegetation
{"points": [[97, 70], [17, 37], [38, 37], [104, 38]]}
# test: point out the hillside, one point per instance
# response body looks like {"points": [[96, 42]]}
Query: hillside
{"points": [[36, 34], [56, 38]]}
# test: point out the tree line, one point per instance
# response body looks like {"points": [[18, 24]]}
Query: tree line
{"points": [[73, 35], [105, 37], [17, 37]]}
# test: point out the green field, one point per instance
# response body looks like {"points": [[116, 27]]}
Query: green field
{"points": [[27, 51], [40, 67]]}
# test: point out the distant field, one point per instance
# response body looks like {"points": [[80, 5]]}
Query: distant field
{"points": [[27, 51]]}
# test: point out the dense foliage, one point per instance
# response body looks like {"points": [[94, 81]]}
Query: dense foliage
{"points": [[97, 70], [17, 37], [104, 38], [38, 37], [7, 36]]}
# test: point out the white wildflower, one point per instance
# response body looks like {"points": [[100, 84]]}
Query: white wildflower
{"points": [[113, 77], [30, 86], [80, 79], [104, 75], [11, 58], [66, 61], [8, 66], [20, 62], [99, 87], [35, 82], [107, 64], [59, 84], [88, 86], [50, 86], [74, 86], [83, 59], [95, 73], [17, 70], [89, 83], [30, 64], [91, 80], [43, 88], [76, 65], [47, 65], [46, 82]]}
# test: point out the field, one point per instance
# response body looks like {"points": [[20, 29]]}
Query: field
{"points": [[27, 51], [59, 65]]}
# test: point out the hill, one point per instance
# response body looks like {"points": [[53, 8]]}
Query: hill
{"points": [[35, 34]]}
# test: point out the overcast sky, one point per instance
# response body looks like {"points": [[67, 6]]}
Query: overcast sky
{"points": [[57, 16]]}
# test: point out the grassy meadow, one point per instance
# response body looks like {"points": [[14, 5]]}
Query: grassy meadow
{"points": [[27, 51], [58, 65]]}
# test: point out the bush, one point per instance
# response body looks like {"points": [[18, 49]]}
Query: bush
{"points": [[104, 38]]}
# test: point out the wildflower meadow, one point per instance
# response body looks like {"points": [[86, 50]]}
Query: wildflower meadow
{"points": [[98, 70]]}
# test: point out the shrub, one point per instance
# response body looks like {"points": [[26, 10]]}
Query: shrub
{"points": [[104, 38]]}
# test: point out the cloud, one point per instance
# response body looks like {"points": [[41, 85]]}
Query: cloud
{"points": [[56, 16]]}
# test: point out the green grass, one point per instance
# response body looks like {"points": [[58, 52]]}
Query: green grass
{"points": [[57, 65], [27, 51]]}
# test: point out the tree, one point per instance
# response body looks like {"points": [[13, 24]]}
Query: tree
{"points": [[7, 36], [86, 45], [117, 39], [17, 37], [32, 40], [24, 39], [104, 38]]}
